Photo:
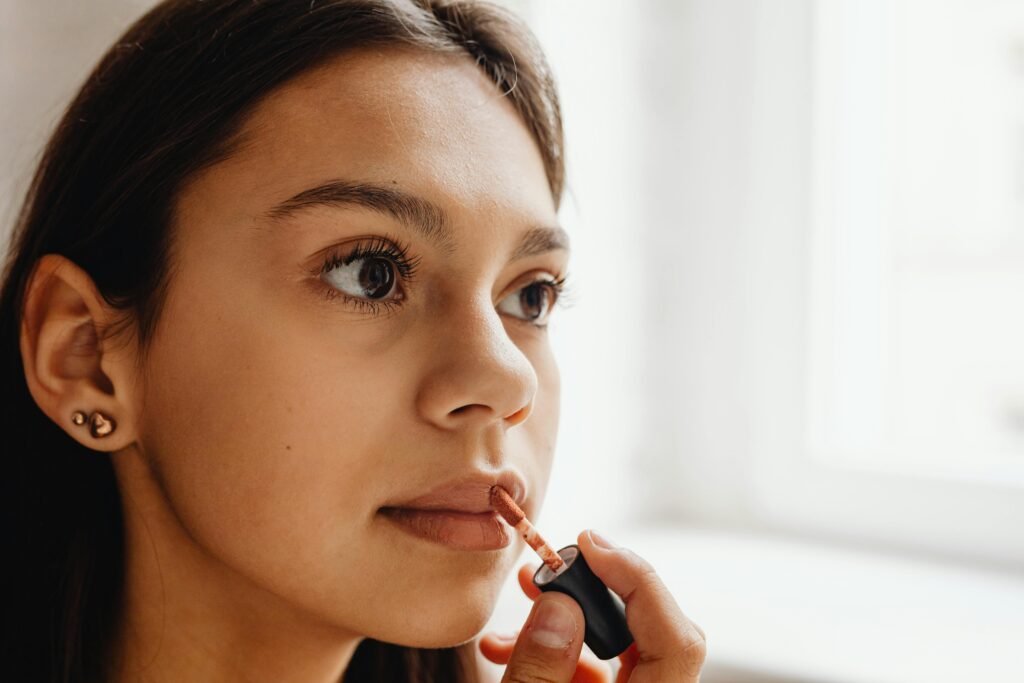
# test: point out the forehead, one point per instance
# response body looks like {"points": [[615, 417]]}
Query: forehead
{"points": [[432, 123]]}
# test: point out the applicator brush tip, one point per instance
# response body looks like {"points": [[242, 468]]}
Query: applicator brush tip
{"points": [[506, 507]]}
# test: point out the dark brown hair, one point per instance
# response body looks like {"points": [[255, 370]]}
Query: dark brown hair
{"points": [[165, 102]]}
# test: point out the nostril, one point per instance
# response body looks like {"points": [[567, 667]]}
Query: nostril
{"points": [[466, 408], [519, 416], [513, 419]]}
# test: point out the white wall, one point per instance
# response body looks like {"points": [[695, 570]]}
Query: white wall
{"points": [[46, 51]]}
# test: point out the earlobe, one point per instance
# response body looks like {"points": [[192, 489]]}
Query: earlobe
{"points": [[76, 377]]}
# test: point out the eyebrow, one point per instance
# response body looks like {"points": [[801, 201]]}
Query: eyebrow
{"points": [[422, 216]]}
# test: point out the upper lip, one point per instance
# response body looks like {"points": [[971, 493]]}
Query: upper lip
{"points": [[470, 492]]}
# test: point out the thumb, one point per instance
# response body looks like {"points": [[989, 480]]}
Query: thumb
{"points": [[549, 644]]}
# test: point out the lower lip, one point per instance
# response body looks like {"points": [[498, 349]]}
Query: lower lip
{"points": [[457, 530]]}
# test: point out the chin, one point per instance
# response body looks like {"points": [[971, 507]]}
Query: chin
{"points": [[458, 620], [436, 634]]}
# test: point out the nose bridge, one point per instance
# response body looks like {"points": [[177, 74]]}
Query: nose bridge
{"points": [[479, 369]]}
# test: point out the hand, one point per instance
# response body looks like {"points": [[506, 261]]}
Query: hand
{"points": [[668, 646]]}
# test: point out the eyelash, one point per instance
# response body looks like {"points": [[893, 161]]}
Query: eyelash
{"points": [[398, 254]]}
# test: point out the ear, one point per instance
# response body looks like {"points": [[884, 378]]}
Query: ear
{"points": [[71, 364]]}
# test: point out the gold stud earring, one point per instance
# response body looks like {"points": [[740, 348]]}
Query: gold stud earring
{"points": [[99, 424]]}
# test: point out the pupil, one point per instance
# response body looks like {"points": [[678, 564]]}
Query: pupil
{"points": [[375, 278], [534, 297]]}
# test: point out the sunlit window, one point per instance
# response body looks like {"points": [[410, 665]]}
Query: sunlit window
{"points": [[917, 311]]}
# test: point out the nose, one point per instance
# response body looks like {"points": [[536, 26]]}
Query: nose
{"points": [[478, 375]]}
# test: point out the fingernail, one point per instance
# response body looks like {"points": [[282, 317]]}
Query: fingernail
{"points": [[553, 625], [507, 635], [601, 541]]}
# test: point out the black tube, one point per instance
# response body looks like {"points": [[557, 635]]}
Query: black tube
{"points": [[606, 631]]}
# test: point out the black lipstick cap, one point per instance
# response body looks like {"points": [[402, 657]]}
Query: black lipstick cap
{"points": [[606, 631]]}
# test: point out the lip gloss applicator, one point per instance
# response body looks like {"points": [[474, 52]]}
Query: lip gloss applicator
{"points": [[567, 572]]}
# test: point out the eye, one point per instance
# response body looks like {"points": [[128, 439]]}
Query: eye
{"points": [[533, 302], [368, 274], [364, 278]]}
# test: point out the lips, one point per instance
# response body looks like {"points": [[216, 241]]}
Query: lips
{"points": [[457, 530], [469, 493]]}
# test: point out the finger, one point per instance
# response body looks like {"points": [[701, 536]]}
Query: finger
{"points": [[661, 630], [526, 573], [590, 669], [549, 646], [629, 659], [497, 648], [588, 673]]}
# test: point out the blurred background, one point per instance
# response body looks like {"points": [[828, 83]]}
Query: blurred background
{"points": [[793, 368]]}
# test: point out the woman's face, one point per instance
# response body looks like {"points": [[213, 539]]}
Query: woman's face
{"points": [[279, 416]]}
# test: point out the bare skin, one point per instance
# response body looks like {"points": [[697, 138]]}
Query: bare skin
{"points": [[267, 425]]}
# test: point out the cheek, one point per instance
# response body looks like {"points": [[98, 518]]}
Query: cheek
{"points": [[268, 445]]}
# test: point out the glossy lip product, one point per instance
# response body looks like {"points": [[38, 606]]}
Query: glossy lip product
{"points": [[567, 572], [457, 514], [454, 528]]}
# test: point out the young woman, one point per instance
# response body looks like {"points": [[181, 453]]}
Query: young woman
{"points": [[284, 270]]}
